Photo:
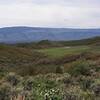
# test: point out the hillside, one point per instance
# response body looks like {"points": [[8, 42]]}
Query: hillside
{"points": [[30, 34], [48, 70], [49, 44], [53, 73], [45, 56], [12, 58], [89, 41]]}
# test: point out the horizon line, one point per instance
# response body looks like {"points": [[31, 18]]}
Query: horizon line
{"points": [[13, 26]]}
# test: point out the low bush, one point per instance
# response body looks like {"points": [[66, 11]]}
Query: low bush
{"points": [[79, 68], [13, 79]]}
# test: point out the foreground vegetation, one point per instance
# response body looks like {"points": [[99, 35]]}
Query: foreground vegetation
{"points": [[55, 72], [80, 82]]}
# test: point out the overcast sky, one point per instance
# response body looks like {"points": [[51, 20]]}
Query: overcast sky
{"points": [[50, 13]]}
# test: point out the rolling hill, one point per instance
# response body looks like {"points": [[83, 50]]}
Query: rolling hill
{"points": [[31, 34]]}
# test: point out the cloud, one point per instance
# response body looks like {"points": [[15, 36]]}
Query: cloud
{"points": [[50, 13]]}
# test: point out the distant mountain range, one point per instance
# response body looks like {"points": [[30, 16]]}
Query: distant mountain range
{"points": [[31, 34]]}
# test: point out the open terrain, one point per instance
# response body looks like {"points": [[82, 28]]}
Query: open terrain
{"points": [[63, 51], [50, 70]]}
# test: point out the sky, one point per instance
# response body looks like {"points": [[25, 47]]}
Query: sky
{"points": [[50, 13]]}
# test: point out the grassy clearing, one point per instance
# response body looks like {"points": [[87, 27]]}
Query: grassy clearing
{"points": [[62, 51]]}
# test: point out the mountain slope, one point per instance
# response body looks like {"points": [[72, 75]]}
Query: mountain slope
{"points": [[29, 34]]}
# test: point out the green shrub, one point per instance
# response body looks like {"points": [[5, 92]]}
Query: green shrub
{"points": [[80, 68]]}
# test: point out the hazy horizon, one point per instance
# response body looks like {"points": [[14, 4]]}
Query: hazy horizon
{"points": [[50, 27]]}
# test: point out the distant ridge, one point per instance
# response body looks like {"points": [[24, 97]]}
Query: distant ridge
{"points": [[23, 34]]}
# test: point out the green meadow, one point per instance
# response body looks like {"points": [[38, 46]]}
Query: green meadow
{"points": [[63, 51]]}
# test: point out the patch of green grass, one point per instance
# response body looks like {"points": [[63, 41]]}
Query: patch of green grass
{"points": [[63, 51]]}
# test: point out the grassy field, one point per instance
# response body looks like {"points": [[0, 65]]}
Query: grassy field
{"points": [[63, 51]]}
